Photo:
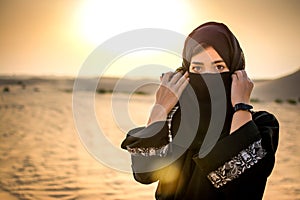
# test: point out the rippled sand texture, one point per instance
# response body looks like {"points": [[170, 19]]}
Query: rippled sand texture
{"points": [[41, 156]]}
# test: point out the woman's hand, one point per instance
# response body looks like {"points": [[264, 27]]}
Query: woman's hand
{"points": [[167, 95], [240, 93], [241, 87]]}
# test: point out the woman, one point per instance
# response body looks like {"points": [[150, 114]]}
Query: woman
{"points": [[202, 140]]}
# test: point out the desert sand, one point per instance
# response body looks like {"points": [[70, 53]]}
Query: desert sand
{"points": [[42, 157]]}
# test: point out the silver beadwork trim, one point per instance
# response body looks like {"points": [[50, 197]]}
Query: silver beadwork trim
{"points": [[237, 165], [169, 120], [157, 151], [149, 151]]}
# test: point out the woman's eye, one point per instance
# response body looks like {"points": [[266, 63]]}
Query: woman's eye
{"points": [[196, 68], [220, 67]]}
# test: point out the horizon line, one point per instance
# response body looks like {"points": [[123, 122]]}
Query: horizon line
{"points": [[50, 75]]}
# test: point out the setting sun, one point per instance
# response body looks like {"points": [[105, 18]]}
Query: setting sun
{"points": [[98, 21]]}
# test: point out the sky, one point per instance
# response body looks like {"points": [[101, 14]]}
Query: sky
{"points": [[56, 37]]}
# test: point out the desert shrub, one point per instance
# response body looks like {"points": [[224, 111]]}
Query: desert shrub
{"points": [[68, 90], [5, 89], [291, 101], [278, 101], [140, 93], [254, 100], [101, 91]]}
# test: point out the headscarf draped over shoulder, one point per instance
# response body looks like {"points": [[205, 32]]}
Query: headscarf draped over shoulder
{"points": [[221, 39]]}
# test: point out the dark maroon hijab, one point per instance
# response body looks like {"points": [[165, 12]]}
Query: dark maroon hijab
{"points": [[221, 39]]}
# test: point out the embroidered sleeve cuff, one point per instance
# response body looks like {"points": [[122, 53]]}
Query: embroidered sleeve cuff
{"points": [[233, 168], [154, 140], [149, 151], [229, 147]]}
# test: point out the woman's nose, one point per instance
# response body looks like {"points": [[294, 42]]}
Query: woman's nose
{"points": [[209, 69]]}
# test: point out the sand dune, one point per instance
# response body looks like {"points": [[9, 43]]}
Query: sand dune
{"points": [[42, 157], [282, 88]]}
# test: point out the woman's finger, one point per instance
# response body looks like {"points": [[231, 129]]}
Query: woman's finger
{"points": [[166, 78], [234, 77], [239, 74], [175, 77], [183, 86], [244, 74], [161, 76], [182, 79]]}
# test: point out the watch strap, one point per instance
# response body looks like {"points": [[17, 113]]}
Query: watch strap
{"points": [[242, 106]]}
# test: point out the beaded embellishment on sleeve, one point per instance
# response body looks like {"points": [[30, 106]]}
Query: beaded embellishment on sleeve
{"points": [[237, 165], [156, 151], [149, 151], [169, 120]]}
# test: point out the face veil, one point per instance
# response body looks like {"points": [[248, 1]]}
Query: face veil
{"points": [[206, 102]]}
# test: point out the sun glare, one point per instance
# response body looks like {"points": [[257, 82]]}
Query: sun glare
{"points": [[100, 20], [143, 63]]}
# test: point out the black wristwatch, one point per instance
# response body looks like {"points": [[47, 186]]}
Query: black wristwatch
{"points": [[242, 106]]}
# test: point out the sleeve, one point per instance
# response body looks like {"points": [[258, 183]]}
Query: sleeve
{"points": [[149, 148], [243, 160], [147, 141], [146, 145]]}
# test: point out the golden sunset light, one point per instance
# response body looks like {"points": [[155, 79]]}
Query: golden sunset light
{"points": [[56, 37], [109, 99]]}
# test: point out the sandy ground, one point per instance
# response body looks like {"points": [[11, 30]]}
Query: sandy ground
{"points": [[42, 157]]}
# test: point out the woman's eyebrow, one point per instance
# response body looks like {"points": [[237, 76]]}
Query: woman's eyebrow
{"points": [[217, 61], [197, 63]]}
